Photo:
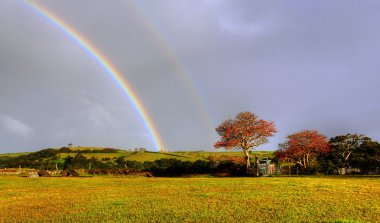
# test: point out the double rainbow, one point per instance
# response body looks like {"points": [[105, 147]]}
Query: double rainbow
{"points": [[106, 65]]}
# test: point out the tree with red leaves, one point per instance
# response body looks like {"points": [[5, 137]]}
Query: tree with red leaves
{"points": [[245, 132], [303, 146]]}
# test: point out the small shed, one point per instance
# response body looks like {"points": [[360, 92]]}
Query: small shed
{"points": [[264, 166]]}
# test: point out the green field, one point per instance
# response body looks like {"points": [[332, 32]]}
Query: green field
{"points": [[142, 156], [136, 156], [14, 154], [139, 199]]}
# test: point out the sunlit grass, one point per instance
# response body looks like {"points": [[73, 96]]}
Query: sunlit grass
{"points": [[151, 156], [14, 154], [126, 199]]}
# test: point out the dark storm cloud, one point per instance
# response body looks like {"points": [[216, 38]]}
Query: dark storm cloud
{"points": [[302, 64]]}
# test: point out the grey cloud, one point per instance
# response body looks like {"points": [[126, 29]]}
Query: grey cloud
{"points": [[16, 126], [302, 64]]}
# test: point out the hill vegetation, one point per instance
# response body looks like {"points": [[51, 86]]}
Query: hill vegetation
{"points": [[363, 158], [110, 160]]}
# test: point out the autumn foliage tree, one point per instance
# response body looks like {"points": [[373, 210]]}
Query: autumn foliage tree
{"points": [[303, 146], [245, 132]]}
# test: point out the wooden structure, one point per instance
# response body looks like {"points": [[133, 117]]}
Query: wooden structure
{"points": [[69, 173], [265, 167]]}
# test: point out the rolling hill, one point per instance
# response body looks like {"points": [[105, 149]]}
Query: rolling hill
{"points": [[110, 154]]}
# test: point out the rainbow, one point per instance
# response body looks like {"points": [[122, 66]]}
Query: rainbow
{"points": [[106, 65], [159, 37]]}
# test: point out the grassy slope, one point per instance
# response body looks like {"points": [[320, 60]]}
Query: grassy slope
{"points": [[125, 199], [14, 154], [86, 148], [151, 156], [137, 156]]}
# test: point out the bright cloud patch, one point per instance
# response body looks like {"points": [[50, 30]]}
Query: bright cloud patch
{"points": [[236, 27], [16, 126], [96, 113]]}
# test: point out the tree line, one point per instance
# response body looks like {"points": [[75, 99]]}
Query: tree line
{"points": [[309, 150], [48, 159]]}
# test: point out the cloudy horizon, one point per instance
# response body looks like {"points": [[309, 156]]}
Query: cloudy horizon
{"points": [[193, 64]]}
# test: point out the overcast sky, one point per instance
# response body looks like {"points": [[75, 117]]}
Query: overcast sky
{"points": [[193, 64]]}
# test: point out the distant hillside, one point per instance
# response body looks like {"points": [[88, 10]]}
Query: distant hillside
{"points": [[14, 154], [141, 156], [52, 157]]}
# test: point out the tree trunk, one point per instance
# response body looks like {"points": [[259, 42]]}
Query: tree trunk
{"points": [[56, 166], [257, 165], [304, 162], [346, 157], [247, 161], [342, 171]]}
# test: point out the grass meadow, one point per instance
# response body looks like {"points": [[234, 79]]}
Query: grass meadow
{"points": [[201, 199], [142, 156]]}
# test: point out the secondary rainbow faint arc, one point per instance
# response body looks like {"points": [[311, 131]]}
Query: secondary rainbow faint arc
{"points": [[159, 37], [107, 66]]}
